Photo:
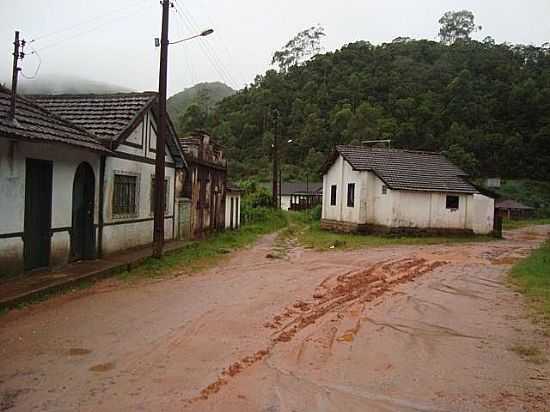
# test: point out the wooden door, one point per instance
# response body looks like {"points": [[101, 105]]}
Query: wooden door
{"points": [[38, 213], [83, 231]]}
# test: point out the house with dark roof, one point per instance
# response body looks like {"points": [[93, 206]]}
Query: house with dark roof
{"points": [[300, 195], [512, 209], [375, 189], [76, 177]]}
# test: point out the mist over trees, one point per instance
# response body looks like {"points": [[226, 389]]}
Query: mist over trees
{"points": [[486, 105]]}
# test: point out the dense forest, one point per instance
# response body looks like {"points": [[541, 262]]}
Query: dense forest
{"points": [[486, 105]]}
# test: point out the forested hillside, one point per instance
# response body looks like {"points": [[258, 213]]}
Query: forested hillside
{"points": [[199, 99], [486, 104]]}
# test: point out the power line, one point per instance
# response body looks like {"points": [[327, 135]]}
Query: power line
{"points": [[84, 32], [207, 49], [35, 75]]}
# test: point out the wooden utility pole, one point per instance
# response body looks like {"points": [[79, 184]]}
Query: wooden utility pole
{"points": [[275, 159], [158, 233], [15, 74]]}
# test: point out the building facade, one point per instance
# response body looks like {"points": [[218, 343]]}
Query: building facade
{"points": [[387, 190]]}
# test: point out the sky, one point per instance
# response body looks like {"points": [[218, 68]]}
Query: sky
{"points": [[113, 41]]}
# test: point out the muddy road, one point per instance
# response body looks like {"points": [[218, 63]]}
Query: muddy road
{"points": [[423, 328]]}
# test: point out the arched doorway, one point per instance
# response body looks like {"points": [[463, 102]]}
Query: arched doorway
{"points": [[83, 231]]}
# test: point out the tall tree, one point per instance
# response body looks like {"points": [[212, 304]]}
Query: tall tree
{"points": [[457, 25], [305, 44]]}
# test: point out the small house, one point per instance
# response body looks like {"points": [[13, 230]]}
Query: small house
{"points": [[232, 206], [369, 189], [512, 209], [300, 195]]}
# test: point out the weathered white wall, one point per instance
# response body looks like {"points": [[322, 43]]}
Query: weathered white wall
{"points": [[285, 202], [12, 195], [400, 208], [236, 210]]}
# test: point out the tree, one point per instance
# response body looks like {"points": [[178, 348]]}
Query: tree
{"points": [[457, 25], [305, 44], [194, 118]]}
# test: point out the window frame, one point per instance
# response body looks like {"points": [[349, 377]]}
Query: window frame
{"points": [[351, 195], [117, 213], [333, 194], [384, 189], [448, 199]]}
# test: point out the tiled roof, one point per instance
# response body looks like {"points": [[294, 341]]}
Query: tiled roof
{"points": [[511, 204], [408, 169], [293, 188], [105, 115], [34, 123]]}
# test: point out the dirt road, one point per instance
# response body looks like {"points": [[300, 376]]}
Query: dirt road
{"points": [[426, 328]]}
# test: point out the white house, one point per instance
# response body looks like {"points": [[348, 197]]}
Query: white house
{"points": [[300, 195], [232, 207], [76, 177], [370, 189]]}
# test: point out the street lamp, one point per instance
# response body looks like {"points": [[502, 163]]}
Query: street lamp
{"points": [[201, 34]]}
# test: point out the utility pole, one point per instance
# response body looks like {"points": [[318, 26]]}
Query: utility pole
{"points": [[15, 72], [158, 231], [275, 155]]}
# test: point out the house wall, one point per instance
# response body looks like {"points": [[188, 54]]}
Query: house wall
{"points": [[123, 232], [285, 202], [400, 208], [236, 197], [341, 174], [66, 160]]}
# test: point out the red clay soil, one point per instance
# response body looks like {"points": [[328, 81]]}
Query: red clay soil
{"points": [[383, 329]]}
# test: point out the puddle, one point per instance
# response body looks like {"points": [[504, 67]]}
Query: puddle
{"points": [[103, 367]]}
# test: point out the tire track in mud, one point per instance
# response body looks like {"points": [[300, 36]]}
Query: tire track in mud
{"points": [[334, 294]]}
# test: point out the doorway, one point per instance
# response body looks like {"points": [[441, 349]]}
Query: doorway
{"points": [[83, 231], [38, 213]]}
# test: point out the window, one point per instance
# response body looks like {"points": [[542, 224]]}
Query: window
{"points": [[384, 189], [166, 192], [124, 195], [351, 194], [333, 195], [452, 202]]}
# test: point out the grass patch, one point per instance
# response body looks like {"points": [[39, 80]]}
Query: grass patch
{"points": [[308, 233], [516, 224], [201, 254], [529, 353], [532, 277]]}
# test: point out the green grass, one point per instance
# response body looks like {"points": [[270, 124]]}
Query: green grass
{"points": [[532, 276], [516, 224], [530, 192], [530, 353], [308, 233], [204, 253]]}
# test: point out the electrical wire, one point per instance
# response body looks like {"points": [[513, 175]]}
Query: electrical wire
{"points": [[35, 75], [207, 49], [84, 32], [81, 23]]}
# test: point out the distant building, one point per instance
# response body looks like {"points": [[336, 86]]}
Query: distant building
{"points": [[512, 209], [492, 182], [373, 189], [300, 195]]}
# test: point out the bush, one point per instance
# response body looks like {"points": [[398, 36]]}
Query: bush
{"points": [[316, 212]]}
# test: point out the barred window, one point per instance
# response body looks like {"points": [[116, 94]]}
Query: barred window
{"points": [[166, 191], [124, 195]]}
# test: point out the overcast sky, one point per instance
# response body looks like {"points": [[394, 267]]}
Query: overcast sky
{"points": [[112, 41]]}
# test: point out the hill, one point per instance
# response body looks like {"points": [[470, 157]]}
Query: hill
{"points": [[206, 94], [487, 105], [52, 84]]}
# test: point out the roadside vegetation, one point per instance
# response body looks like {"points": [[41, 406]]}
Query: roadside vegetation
{"points": [[201, 254], [516, 224], [532, 277], [304, 227]]}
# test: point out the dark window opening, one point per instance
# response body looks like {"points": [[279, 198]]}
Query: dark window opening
{"points": [[384, 189], [333, 195], [166, 191], [124, 195], [351, 194], [452, 202]]}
